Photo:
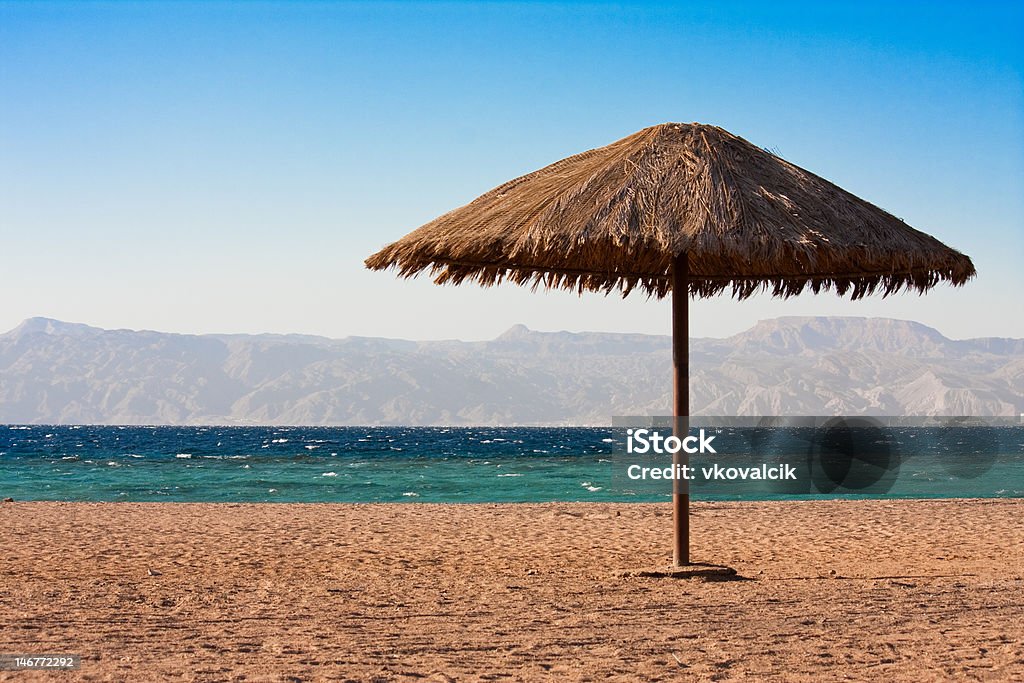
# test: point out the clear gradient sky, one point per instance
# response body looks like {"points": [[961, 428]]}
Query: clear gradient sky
{"points": [[226, 167]]}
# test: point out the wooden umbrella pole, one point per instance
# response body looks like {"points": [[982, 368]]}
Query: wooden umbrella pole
{"points": [[681, 406]]}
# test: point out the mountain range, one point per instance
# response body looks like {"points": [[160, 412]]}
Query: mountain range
{"points": [[54, 372]]}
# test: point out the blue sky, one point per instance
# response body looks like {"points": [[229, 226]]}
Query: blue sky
{"points": [[202, 167]]}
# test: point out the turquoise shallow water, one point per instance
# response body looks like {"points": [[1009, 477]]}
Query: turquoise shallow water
{"points": [[389, 464]]}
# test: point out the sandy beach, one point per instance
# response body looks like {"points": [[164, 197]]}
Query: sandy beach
{"points": [[895, 590]]}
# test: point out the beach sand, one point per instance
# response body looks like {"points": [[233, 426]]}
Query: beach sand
{"points": [[894, 590]]}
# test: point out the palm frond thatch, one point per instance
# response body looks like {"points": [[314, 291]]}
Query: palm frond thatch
{"points": [[615, 218]]}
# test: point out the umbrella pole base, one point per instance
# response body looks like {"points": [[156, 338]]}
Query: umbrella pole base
{"points": [[692, 572], [680, 526]]}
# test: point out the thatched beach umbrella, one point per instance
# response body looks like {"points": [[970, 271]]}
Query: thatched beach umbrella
{"points": [[683, 208]]}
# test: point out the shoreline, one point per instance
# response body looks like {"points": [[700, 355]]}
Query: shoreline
{"points": [[895, 589], [404, 503]]}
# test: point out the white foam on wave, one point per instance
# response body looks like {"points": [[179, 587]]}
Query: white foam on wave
{"points": [[411, 494], [184, 456], [329, 474]]}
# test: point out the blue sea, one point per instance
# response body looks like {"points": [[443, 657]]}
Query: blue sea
{"points": [[423, 464]]}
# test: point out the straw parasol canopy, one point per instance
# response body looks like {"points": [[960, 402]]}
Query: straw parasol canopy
{"points": [[687, 209], [615, 217]]}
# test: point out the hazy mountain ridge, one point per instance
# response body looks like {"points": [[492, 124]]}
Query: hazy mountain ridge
{"points": [[56, 372]]}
